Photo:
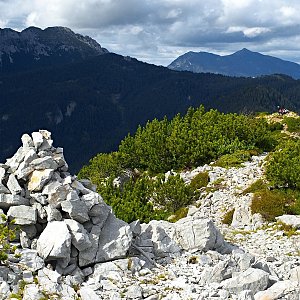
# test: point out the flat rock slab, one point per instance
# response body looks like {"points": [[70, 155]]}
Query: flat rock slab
{"points": [[23, 215], [8, 200]]}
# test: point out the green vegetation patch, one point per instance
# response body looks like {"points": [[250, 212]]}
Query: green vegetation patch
{"points": [[200, 180], [283, 167], [7, 233], [293, 124], [228, 217], [271, 204], [258, 185], [233, 160]]}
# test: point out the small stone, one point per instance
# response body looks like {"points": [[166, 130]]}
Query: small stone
{"points": [[13, 185]]}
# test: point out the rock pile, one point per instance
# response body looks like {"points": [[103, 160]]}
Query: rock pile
{"points": [[71, 245]]}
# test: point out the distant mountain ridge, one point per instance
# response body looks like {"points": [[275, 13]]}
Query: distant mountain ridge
{"points": [[35, 48], [244, 63]]}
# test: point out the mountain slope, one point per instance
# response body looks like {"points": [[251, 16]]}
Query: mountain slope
{"points": [[34, 48], [91, 105], [241, 63]]}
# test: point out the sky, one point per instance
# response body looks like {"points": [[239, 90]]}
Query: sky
{"points": [[158, 31]]}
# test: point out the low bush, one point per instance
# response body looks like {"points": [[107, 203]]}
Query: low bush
{"points": [[258, 185], [283, 167], [7, 233], [271, 204], [233, 160], [293, 124], [227, 218], [199, 181]]}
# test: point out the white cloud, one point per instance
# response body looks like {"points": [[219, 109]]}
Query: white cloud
{"points": [[159, 30]]}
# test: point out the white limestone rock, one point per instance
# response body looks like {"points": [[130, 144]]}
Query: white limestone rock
{"points": [[75, 207], [37, 138], [280, 290], [160, 238], [87, 293], [32, 292], [23, 215], [3, 189], [198, 234], [13, 185], [43, 163], [38, 179], [23, 171], [15, 161], [80, 237], [53, 214], [56, 192], [115, 239], [4, 290], [55, 241], [88, 256], [49, 281], [30, 260], [8, 200], [291, 220], [295, 274], [252, 279], [246, 295], [2, 173], [27, 141]]}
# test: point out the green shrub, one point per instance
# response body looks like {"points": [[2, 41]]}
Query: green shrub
{"points": [[283, 167], [179, 214], [293, 124], [256, 186], [227, 218], [7, 234], [270, 204], [199, 181], [233, 160], [173, 193], [275, 126]]}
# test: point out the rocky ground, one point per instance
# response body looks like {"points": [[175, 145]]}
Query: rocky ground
{"points": [[71, 246]]}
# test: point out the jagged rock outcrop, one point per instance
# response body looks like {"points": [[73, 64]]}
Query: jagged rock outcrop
{"points": [[69, 237]]}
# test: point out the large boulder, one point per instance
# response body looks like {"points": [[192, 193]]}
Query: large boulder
{"points": [[198, 234], [252, 279], [23, 215], [115, 239], [8, 200], [55, 241]]}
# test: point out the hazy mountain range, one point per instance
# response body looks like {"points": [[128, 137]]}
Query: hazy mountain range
{"points": [[241, 63], [90, 101]]}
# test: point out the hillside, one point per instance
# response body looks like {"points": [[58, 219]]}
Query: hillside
{"points": [[90, 106], [241, 63], [72, 246]]}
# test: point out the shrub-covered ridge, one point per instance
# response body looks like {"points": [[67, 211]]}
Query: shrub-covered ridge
{"points": [[184, 142]]}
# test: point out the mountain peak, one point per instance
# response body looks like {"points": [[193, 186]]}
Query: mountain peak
{"points": [[244, 63], [40, 47]]}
